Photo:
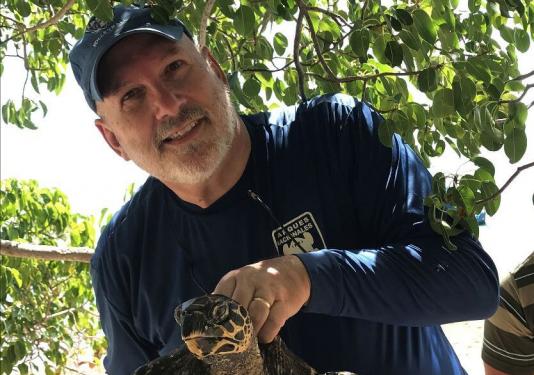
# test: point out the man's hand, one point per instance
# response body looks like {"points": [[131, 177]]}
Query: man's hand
{"points": [[273, 290]]}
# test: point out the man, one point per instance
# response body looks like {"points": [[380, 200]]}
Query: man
{"points": [[366, 282], [508, 346]]}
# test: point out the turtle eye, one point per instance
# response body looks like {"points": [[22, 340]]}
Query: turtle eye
{"points": [[220, 312]]}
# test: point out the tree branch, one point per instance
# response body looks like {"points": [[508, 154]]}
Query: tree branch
{"points": [[318, 51], [371, 76], [204, 22], [528, 87], [363, 10], [336, 17], [55, 18], [52, 21], [499, 192], [268, 70], [296, 50], [27, 250], [522, 77]]}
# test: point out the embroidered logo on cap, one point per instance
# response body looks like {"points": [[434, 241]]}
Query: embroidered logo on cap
{"points": [[300, 233]]}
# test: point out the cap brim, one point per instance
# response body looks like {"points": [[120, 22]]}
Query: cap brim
{"points": [[173, 32]]}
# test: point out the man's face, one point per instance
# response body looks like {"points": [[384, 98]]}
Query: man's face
{"points": [[166, 107]]}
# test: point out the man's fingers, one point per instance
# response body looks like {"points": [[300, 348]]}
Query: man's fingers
{"points": [[259, 309], [272, 324], [225, 286], [243, 293]]}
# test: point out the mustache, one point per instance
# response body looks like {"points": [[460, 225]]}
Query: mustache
{"points": [[186, 114]]}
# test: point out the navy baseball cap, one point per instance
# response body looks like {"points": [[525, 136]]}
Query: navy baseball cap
{"points": [[100, 36]]}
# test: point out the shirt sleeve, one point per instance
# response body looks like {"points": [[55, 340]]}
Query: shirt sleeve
{"points": [[126, 349], [405, 275], [508, 339]]}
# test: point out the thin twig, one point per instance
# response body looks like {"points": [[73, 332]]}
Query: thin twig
{"points": [[528, 87], [204, 23], [52, 21], [315, 41], [522, 77], [296, 51], [234, 64], [12, 20], [268, 70], [336, 17], [364, 6], [371, 76], [499, 192], [26, 66]]}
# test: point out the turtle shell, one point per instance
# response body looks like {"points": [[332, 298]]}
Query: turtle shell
{"points": [[219, 340]]}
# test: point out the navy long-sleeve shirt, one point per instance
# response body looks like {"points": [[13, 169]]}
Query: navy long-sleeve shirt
{"points": [[381, 280]]}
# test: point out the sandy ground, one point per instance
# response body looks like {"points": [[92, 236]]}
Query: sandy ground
{"points": [[466, 338]]}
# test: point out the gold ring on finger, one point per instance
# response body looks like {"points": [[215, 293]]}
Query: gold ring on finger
{"points": [[262, 300]]}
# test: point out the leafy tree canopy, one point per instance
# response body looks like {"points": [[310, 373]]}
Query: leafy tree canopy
{"points": [[46, 307], [382, 53]]}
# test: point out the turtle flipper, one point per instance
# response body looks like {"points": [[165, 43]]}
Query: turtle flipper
{"points": [[180, 362], [279, 360]]}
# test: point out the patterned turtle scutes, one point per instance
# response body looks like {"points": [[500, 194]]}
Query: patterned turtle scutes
{"points": [[214, 325], [219, 340]]}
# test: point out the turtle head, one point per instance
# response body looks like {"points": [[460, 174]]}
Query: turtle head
{"points": [[214, 325]]}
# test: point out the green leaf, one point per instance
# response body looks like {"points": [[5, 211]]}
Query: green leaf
{"points": [[393, 53], [471, 225], [417, 113], [244, 21], [478, 69], [235, 87], [44, 108], [518, 112], [492, 139], [464, 92], [483, 175], [488, 190], [24, 9], [280, 43], [410, 39], [515, 145], [251, 87], [404, 16], [425, 26], [359, 41], [385, 132], [427, 80], [507, 34], [522, 40], [443, 103], [448, 38], [23, 368], [101, 9], [484, 164], [379, 46]]}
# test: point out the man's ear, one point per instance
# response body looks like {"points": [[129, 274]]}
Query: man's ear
{"points": [[111, 139], [214, 64]]}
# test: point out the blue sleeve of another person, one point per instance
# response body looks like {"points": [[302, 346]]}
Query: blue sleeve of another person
{"points": [[405, 276]]}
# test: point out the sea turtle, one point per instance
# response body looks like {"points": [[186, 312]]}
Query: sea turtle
{"points": [[219, 340]]}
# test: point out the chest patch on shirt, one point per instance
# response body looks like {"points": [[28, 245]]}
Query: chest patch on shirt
{"points": [[302, 230]]}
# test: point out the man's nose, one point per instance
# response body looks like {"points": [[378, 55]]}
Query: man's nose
{"points": [[167, 102]]}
